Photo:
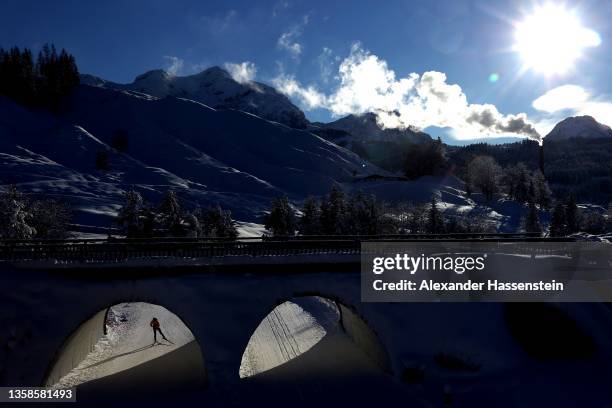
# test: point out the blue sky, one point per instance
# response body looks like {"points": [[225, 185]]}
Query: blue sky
{"points": [[303, 43]]}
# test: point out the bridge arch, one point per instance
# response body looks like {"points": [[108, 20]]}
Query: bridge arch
{"points": [[114, 350], [309, 323]]}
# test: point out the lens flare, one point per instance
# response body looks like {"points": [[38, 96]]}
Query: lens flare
{"points": [[551, 39]]}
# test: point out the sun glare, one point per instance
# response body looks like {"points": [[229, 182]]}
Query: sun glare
{"points": [[552, 38]]}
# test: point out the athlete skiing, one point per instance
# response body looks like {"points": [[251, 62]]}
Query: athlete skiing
{"points": [[156, 328]]}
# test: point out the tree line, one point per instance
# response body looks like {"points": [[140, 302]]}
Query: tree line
{"points": [[517, 182], [361, 214], [22, 217], [38, 84], [138, 218], [335, 214], [579, 166]]}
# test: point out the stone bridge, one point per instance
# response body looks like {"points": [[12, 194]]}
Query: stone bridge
{"points": [[425, 351]]}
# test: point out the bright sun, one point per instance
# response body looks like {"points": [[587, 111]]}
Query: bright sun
{"points": [[552, 38]]}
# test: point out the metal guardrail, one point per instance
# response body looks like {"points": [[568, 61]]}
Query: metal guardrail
{"points": [[117, 250]]}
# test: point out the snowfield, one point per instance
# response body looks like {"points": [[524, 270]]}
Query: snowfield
{"points": [[155, 142], [207, 156]]}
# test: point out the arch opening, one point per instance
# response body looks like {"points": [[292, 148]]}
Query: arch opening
{"points": [[118, 349], [313, 336]]}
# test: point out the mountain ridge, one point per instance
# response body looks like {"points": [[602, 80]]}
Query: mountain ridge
{"points": [[578, 126], [216, 88]]}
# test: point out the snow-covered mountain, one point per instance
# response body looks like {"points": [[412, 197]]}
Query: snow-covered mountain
{"points": [[207, 156], [104, 140], [216, 88], [365, 128], [578, 126]]}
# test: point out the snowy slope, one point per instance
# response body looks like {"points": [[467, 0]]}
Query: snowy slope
{"points": [[228, 157], [227, 150], [207, 156], [215, 87]]}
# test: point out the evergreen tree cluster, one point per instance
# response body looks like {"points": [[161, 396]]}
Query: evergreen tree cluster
{"points": [[577, 165], [567, 219], [25, 218], [335, 214], [42, 83], [361, 214], [425, 159], [138, 218]]}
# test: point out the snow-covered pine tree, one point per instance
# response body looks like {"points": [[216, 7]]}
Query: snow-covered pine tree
{"points": [[310, 221], [435, 224], [334, 213], [218, 223], [558, 227], [532, 220], [128, 217], [15, 216], [281, 220], [171, 215], [572, 216]]}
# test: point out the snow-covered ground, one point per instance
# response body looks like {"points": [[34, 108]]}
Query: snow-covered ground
{"points": [[207, 156], [291, 329], [128, 342]]}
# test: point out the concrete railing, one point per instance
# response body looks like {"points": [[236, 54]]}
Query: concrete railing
{"points": [[121, 250]]}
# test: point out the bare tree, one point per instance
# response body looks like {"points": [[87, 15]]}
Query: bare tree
{"points": [[484, 175]]}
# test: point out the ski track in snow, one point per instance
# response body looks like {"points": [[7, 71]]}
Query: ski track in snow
{"points": [[128, 342], [289, 330]]}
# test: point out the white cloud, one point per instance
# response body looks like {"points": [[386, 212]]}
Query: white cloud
{"points": [[577, 100], [309, 97], [600, 110], [244, 72], [175, 65], [288, 40], [367, 84], [560, 98]]}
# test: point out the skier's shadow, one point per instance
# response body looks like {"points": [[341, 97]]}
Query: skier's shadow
{"points": [[124, 354]]}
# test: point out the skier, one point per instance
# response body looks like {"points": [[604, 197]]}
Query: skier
{"points": [[155, 325]]}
